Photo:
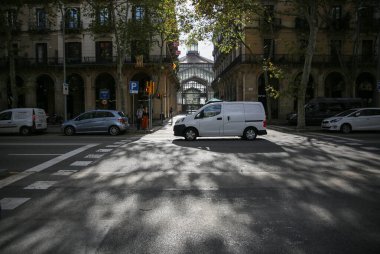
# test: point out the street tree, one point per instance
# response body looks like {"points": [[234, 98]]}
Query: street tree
{"points": [[225, 23], [9, 29]]}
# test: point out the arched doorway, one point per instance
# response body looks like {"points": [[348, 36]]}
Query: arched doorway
{"points": [[262, 94], [45, 93], [365, 88], [105, 92], [75, 99], [335, 85], [21, 91]]}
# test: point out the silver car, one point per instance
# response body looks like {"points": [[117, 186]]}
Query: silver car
{"points": [[97, 121], [360, 119]]}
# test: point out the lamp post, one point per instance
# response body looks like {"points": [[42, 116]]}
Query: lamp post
{"points": [[64, 85]]}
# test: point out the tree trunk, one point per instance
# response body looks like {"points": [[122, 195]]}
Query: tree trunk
{"points": [[12, 74], [313, 25]]}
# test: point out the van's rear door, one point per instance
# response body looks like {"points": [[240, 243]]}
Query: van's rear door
{"points": [[234, 119]]}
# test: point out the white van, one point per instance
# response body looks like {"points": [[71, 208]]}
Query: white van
{"points": [[22, 120], [238, 118]]}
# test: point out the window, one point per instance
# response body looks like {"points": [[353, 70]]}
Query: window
{"points": [[11, 18], [268, 48], [6, 116], [336, 17], [41, 52], [138, 13], [104, 51], [336, 47], [103, 16], [85, 116], [210, 111], [102, 114], [73, 52], [367, 48], [41, 20], [72, 18]]}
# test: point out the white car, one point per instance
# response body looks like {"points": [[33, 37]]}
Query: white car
{"points": [[359, 119]]}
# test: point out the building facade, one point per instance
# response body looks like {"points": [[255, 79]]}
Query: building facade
{"points": [[345, 63], [196, 75], [47, 42]]}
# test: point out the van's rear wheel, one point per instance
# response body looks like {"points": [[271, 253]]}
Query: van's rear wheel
{"points": [[346, 128], [250, 134], [25, 131], [190, 134]]}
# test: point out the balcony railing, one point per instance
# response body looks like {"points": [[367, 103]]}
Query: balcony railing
{"points": [[80, 61], [74, 27], [298, 60], [40, 28]]}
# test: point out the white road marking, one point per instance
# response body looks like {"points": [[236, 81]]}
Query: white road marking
{"points": [[371, 148], [12, 203], [81, 163], [40, 185], [119, 143], [353, 144], [9, 180], [64, 172], [94, 156], [104, 150], [113, 146], [34, 154]]}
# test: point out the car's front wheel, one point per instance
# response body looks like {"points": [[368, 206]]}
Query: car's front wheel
{"points": [[114, 130], [346, 128], [190, 134], [69, 131]]}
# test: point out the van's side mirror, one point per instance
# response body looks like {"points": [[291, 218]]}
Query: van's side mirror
{"points": [[199, 115], [357, 114]]}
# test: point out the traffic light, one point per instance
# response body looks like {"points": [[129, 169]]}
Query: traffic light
{"points": [[149, 87]]}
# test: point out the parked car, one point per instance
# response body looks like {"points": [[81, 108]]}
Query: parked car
{"points": [[360, 119], [97, 121], [238, 118], [320, 108], [23, 120]]}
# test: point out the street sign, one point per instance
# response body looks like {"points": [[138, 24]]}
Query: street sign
{"points": [[134, 87], [65, 89], [104, 94]]}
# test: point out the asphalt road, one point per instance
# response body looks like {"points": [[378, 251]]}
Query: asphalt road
{"points": [[308, 192]]}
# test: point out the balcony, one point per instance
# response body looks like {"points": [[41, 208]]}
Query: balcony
{"points": [[40, 28], [101, 28], [80, 61], [73, 27]]}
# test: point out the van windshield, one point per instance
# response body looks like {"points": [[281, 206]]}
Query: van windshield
{"points": [[346, 113]]}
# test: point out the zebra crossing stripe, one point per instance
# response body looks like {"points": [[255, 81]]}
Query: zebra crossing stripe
{"points": [[104, 150], [12, 203], [64, 172], [81, 163], [40, 185]]}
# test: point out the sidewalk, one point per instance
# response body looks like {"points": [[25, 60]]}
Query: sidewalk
{"points": [[284, 126]]}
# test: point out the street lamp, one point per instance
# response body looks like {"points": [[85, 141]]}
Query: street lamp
{"points": [[65, 86]]}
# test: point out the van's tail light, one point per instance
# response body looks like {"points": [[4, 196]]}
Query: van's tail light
{"points": [[265, 123], [121, 120]]}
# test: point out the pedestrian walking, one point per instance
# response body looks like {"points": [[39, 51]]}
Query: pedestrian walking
{"points": [[139, 115], [171, 112]]}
